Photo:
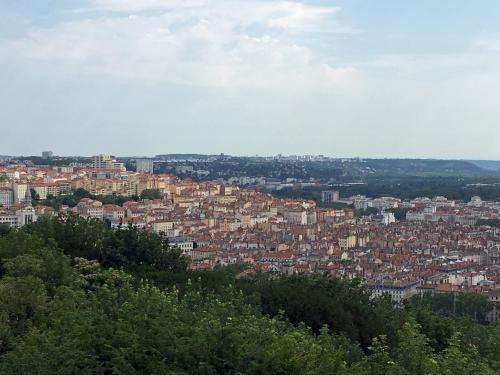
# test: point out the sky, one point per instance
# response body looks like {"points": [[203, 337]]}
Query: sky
{"points": [[368, 78]]}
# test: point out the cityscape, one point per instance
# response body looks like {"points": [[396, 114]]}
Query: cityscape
{"points": [[249, 187], [438, 245]]}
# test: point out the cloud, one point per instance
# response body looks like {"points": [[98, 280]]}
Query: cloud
{"points": [[444, 64], [141, 5], [489, 44], [193, 42]]}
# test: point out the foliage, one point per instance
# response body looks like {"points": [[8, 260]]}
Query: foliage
{"points": [[4, 229], [77, 297], [399, 213], [121, 328], [366, 212], [407, 187], [471, 305], [71, 200], [138, 251], [344, 306], [151, 194], [491, 222]]}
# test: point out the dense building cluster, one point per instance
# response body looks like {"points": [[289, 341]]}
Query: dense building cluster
{"points": [[438, 248]]}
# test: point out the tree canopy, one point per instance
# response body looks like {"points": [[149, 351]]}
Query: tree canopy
{"points": [[78, 297]]}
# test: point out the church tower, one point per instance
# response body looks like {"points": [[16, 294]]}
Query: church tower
{"points": [[27, 197]]}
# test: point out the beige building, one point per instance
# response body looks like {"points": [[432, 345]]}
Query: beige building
{"points": [[347, 242], [103, 161]]}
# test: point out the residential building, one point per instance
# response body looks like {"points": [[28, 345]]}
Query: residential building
{"points": [[144, 165], [399, 290], [330, 196], [6, 197], [103, 161], [47, 154]]}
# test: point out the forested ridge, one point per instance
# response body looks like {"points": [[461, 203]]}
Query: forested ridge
{"points": [[77, 297]]}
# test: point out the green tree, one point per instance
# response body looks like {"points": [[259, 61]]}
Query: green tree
{"points": [[454, 361], [379, 361], [151, 194], [413, 352]]}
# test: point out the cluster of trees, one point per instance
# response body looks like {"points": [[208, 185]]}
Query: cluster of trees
{"points": [[471, 305], [228, 167], [422, 167], [77, 297], [407, 187], [329, 170], [491, 222], [72, 199], [143, 254], [59, 161]]}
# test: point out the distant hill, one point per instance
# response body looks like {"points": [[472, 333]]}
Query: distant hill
{"points": [[492, 165], [185, 156], [422, 166]]}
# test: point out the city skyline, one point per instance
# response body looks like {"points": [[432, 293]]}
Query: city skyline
{"points": [[216, 154], [342, 79]]}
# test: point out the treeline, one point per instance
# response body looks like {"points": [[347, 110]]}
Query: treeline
{"points": [[251, 167], [470, 305], [406, 188], [77, 297], [410, 187], [58, 161]]}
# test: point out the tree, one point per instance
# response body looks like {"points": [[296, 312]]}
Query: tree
{"points": [[413, 352], [4, 229], [23, 301], [147, 255], [454, 361], [34, 195], [151, 194], [471, 305], [379, 362], [344, 306], [78, 297]]}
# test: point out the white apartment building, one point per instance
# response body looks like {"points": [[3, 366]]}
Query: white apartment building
{"points": [[398, 290], [8, 218], [185, 244], [296, 217], [162, 226], [388, 218]]}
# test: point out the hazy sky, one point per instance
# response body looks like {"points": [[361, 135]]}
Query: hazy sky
{"points": [[370, 78]]}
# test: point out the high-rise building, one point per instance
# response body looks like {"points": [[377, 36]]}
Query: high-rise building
{"points": [[144, 165], [103, 161], [47, 154], [19, 189], [330, 196]]}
